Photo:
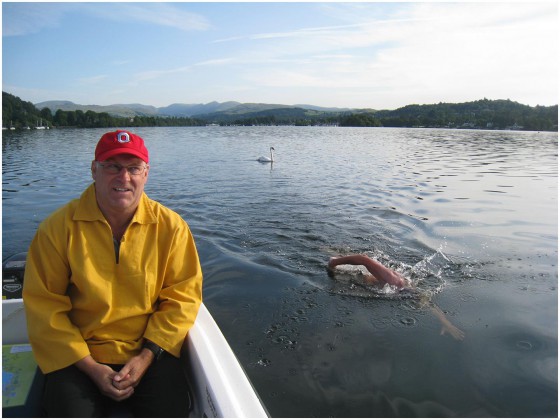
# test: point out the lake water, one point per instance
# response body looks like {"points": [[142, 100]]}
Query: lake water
{"points": [[470, 217]]}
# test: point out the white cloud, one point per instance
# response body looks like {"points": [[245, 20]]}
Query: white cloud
{"points": [[163, 14], [121, 62], [379, 56], [428, 52], [165, 73], [93, 79], [476, 49], [29, 18], [215, 62]]}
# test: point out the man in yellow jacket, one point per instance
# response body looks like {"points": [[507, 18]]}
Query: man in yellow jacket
{"points": [[112, 285]]}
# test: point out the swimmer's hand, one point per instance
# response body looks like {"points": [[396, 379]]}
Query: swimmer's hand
{"points": [[453, 331], [446, 325], [331, 266]]}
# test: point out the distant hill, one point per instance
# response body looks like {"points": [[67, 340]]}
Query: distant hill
{"points": [[484, 113], [178, 109], [118, 110], [264, 114], [481, 114], [186, 110], [131, 110], [324, 109]]}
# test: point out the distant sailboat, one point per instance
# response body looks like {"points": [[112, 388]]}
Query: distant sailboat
{"points": [[40, 126]]}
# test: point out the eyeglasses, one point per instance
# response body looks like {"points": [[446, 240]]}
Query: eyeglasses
{"points": [[115, 168]]}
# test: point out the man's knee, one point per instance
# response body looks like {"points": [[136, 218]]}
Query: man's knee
{"points": [[164, 391]]}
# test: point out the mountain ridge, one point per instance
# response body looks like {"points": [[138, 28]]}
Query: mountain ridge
{"points": [[484, 113], [179, 109]]}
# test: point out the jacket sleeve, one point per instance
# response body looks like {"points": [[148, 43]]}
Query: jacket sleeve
{"points": [[180, 296], [56, 342]]}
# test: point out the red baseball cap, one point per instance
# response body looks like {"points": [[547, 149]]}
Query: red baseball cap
{"points": [[120, 142]]}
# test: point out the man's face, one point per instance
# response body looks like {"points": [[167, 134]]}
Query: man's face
{"points": [[119, 192]]}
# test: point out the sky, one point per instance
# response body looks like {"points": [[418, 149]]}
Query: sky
{"points": [[379, 55]]}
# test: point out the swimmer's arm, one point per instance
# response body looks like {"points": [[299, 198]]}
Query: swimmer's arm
{"points": [[446, 325], [377, 270]]}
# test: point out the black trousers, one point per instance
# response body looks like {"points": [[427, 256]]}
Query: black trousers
{"points": [[162, 392]]}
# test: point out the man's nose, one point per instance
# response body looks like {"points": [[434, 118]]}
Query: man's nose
{"points": [[124, 173]]}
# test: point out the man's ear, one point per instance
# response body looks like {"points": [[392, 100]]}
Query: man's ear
{"points": [[93, 169]]}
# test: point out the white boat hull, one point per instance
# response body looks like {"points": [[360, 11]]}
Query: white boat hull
{"points": [[220, 386]]}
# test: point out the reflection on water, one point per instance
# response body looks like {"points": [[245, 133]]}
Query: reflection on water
{"points": [[470, 217]]}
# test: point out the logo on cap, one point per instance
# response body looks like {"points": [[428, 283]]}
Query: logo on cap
{"points": [[123, 138]]}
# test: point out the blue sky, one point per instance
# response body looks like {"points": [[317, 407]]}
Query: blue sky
{"points": [[358, 55]]}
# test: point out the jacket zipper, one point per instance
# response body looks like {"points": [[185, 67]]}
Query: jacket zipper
{"points": [[117, 245]]}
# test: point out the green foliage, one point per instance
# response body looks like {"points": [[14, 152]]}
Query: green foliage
{"points": [[19, 114], [274, 116], [484, 114], [90, 119], [360, 120]]}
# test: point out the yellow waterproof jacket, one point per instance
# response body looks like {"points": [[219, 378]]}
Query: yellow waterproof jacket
{"points": [[81, 299]]}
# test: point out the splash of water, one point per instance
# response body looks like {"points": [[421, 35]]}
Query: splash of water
{"points": [[426, 278]]}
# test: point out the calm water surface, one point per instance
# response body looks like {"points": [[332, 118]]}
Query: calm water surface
{"points": [[470, 217]]}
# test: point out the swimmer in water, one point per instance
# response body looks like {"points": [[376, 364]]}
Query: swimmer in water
{"points": [[381, 275]]}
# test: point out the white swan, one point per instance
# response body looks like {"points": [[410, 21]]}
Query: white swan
{"points": [[267, 159]]}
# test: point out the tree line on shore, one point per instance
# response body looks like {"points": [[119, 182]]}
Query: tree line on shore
{"points": [[20, 114], [482, 114]]}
